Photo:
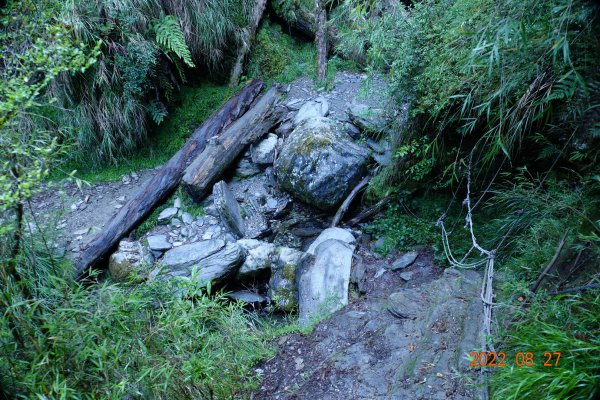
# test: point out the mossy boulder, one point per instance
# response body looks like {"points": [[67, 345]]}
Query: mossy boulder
{"points": [[283, 290], [320, 164]]}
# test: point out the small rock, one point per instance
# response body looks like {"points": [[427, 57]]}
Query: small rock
{"points": [[207, 236], [283, 290], [80, 232], [126, 180], [177, 203], [118, 206], [380, 244], [311, 109], [187, 218], [129, 257], [166, 214], [264, 152], [380, 273], [248, 297], [213, 260], [407, 276], [402, 306], [405, 260], [211, 211], [158, 243], [272, 203], [175, 222], [246, 169], [177, 244], [352, 131], [135, 176], [259, 257], [121, 199]]}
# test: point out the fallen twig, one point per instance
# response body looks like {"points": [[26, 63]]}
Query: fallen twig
{"points": [[344, 207], [545, 271]]}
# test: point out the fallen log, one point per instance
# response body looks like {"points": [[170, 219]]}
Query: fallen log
{"points": [[344, 207], [204, 171], [165, 181]]}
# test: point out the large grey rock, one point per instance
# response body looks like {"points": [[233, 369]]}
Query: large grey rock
{"points": [[367, 119], [319, 163], [259, 257], [405, 260], [264, 152], [323, 281], [129, 259], [158, 243], [228, 208], [331, 233], [283, 290], [312, 109], [213, 260]]}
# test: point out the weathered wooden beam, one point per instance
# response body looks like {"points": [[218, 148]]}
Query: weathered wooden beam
{"points": [[221, 152]]}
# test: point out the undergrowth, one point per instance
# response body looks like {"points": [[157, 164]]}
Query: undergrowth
{"points": [[152, 340], [567, 324]]}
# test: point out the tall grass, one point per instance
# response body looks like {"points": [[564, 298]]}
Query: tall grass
{"points": [[153, 340], [568, 325]]}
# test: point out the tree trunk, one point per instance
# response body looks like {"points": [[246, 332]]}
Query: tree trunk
{"points": [[166, 180], [220, 153], [246, 43], [321, 39]]}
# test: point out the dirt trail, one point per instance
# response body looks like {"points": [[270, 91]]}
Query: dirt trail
{"points": [[369, 351], [74, 216]]}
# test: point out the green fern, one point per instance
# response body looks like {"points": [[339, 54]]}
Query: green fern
{"points": [[169, 37]]}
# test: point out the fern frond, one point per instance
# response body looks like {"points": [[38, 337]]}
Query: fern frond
{"points": [[170, 38], [157, 111]]}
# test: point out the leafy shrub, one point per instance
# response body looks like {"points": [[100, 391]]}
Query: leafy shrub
{"points": [[152, 340], [487, 80]]}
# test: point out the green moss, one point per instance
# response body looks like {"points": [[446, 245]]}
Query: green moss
{"points": [[279, 57], [313, 143]]}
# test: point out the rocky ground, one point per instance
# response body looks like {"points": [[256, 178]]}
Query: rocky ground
{"points": [[400, 326]]}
